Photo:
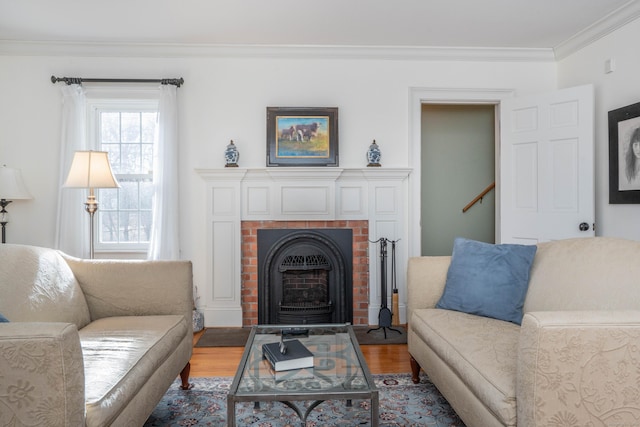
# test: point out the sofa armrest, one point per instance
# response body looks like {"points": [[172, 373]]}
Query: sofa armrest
{"points": [[579, 368], [41, 375], [426, 277], [135, 288]]}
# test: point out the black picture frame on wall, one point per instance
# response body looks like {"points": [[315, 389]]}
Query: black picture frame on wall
{"points": [[302, 136], [624, 165]]}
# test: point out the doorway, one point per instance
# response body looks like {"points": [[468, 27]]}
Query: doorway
{"points": [[417, 98], [457, 163]]}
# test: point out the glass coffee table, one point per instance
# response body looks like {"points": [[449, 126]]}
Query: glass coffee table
{"points": [[339, 371]]}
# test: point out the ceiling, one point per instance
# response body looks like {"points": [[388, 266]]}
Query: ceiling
{"points": [[523, 24]]}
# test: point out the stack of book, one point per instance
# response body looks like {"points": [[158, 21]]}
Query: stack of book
{"points": [[290, 375], [286, 356]]}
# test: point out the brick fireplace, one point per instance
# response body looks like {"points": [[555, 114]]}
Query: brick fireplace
{"points": [[360, 270], [238, 202]]}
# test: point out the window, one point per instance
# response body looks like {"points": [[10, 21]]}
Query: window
{"points": [[126, 130]]}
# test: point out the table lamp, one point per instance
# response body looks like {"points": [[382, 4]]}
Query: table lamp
{"points": [[91, 169], [11, 188]]}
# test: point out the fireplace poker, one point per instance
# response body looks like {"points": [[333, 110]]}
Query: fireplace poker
{"points": [[395, 307], [385, 315]]}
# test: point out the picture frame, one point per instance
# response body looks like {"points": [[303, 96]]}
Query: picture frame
{"points": [[624, 159], [302, 136]]}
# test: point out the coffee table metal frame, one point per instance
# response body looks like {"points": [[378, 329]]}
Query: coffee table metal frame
{"points": [[352, 382]]}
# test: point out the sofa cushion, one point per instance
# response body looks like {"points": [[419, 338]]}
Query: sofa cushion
{"points": [[37, 285], [597, 273], [488, 280], [481, 351], [120, 355]]}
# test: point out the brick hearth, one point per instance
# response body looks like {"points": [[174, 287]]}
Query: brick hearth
{"points": [[249, 289]]}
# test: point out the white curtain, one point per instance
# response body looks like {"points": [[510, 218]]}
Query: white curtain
{"points": [[164, 242], [72, 231]]}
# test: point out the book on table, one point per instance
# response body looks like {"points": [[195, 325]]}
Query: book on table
{"points": [[296, 355], [291, 374]]}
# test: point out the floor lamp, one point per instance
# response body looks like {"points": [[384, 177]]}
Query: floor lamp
{"points": [[91, 169], [11, 188]]}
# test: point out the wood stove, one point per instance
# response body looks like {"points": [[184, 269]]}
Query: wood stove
{"points": [[305, 276]]}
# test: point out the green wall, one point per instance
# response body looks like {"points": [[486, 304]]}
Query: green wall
{"points": [[458, 162]]}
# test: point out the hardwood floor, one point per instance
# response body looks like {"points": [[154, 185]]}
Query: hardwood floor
{"points": [[223, 361]]}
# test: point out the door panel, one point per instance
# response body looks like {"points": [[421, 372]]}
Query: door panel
{"points": [[546, 175]]}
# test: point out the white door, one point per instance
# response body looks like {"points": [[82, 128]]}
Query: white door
{"points": [[546, 181]]}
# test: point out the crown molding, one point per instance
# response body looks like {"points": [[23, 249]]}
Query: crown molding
{"points": [[608, 24], [613, 21], [89, 49]]}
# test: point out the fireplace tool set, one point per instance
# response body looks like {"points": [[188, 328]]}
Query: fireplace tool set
{"points": [[385, 315]]}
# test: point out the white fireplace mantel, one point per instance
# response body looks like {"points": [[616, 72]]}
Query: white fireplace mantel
{"points": [[232, 195]]}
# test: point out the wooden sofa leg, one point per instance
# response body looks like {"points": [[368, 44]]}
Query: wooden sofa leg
{"points": [[184, 377], [415, 370]]}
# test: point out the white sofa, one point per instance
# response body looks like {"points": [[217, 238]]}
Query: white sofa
{"points": [[90, 342], [574, 361]]}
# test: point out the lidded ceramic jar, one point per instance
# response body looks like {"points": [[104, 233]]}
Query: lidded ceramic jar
{"points": [[231, 156], [374, 154]]}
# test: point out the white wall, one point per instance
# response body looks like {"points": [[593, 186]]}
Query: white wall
{"points": [[225, 98], [613, 90]]}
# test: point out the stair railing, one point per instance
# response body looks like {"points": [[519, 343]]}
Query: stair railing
{"points": [[479, 197]]}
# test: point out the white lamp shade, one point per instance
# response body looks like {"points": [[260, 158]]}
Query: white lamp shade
{"points": [[11, 185], [91, 169]]}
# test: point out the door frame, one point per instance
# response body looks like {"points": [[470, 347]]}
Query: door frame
{"points": [[419, 96]]}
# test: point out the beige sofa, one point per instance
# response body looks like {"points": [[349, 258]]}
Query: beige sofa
{"points": [[574, 361], [90, 342]]}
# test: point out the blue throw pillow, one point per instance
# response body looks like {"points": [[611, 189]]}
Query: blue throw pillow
{"points": [[3, 319], [488, 280]]}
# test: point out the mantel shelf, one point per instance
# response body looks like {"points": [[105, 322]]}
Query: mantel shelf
{"points": [[303, 173]]}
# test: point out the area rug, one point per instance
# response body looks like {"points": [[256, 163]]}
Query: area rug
{"points": [[402, 403], [237, 337]]}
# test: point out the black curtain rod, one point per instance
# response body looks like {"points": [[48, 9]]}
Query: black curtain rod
{"points": [[80, 80]]}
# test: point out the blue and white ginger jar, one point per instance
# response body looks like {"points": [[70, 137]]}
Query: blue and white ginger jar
{"points": [[231, 155], [374, 154]]}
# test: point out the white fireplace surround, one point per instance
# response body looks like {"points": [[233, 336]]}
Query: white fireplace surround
{"points": [[232, 195]]}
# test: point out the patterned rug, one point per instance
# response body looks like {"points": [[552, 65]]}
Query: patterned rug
{"points": [[402, 403]]}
